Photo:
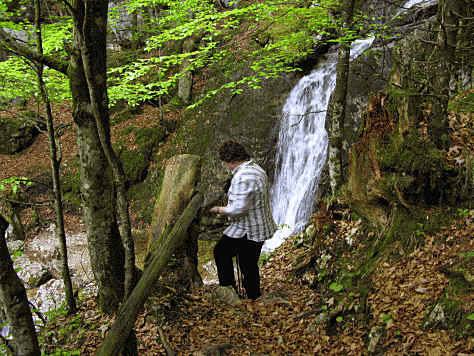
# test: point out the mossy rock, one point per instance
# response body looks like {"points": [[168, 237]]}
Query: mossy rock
{"points": [[135, 165], [461, 278], [123, 113], [136, 161], [450, 314], [16, 135], [418, 170]]}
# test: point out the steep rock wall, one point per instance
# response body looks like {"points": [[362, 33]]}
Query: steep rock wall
{"points": [[252, 118]]}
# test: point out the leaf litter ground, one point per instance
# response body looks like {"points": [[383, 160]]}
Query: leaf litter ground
{"points": [[282, 321]]}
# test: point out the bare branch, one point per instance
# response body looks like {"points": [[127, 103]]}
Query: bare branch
{"points": [[302, 116], [42, 203], [11, 45], [428, 42], [39, 123], [461, 16], [68, 5]]}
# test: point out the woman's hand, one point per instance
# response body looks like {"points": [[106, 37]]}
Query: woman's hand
{"points": [[216, 210]]}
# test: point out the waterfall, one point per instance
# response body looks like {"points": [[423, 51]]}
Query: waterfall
{"points": [[302, 147]]}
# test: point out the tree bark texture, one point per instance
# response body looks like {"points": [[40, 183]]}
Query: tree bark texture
{"points": [[181, 177], [55, 167], [118, 334], [337, 105], [451, 15], [94, 58], [13, 298], [97, 188]]}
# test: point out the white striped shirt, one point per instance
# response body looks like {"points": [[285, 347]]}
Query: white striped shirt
{"points": [[248, 205]]}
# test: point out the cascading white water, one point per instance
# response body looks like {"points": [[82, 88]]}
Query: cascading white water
{"points": [[302, 148]]}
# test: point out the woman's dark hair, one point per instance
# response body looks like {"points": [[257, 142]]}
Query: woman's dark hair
{"points": [[231, 151]]}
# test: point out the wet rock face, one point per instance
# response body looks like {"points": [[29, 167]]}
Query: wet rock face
{"points": [[16, 135], [371, 73], [251, 118]]}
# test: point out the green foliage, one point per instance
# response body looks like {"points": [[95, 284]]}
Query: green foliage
{"points": [[13, 184], [463, 213], [336, 287], [292, 31], [17, 78], [59, 332], [385, 318]]}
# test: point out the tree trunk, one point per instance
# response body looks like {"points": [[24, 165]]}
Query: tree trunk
{"points": [[15, 220], [55, 165], [94, 59], [13, 298], [337, 105], [97, 188], [449, 18], [118, 334]]}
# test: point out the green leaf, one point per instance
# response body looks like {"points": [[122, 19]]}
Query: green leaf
{"points": [[336, 287], [470, 317], [385, 318]]}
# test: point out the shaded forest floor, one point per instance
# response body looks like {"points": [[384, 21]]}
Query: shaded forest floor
{"points": [[284, 321]]}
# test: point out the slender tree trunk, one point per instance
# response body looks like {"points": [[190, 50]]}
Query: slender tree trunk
{"points": [[97, 188], [93, 52], [116, 337], [337, 105], [13, 298], [449, 17], [55, 166]]}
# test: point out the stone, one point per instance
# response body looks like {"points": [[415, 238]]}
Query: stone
{"points": [[181, 174], [251, 118], [15, 245], [185, 85], [49, 296], [375, 339], [214, 350], [33, 274], [436, 317], [274, 299], [226, 294], [16, 135], [322, 317]]}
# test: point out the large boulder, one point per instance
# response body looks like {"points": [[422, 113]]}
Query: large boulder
{"points": [[16, 135], [179, 185]]}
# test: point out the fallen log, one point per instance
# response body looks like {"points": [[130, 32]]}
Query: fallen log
{"points": [[117, 336]]}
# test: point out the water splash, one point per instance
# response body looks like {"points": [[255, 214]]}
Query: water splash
{"points": [[302, 147]]}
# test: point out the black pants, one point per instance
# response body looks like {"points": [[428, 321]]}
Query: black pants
{"points": [[247, 252]]}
